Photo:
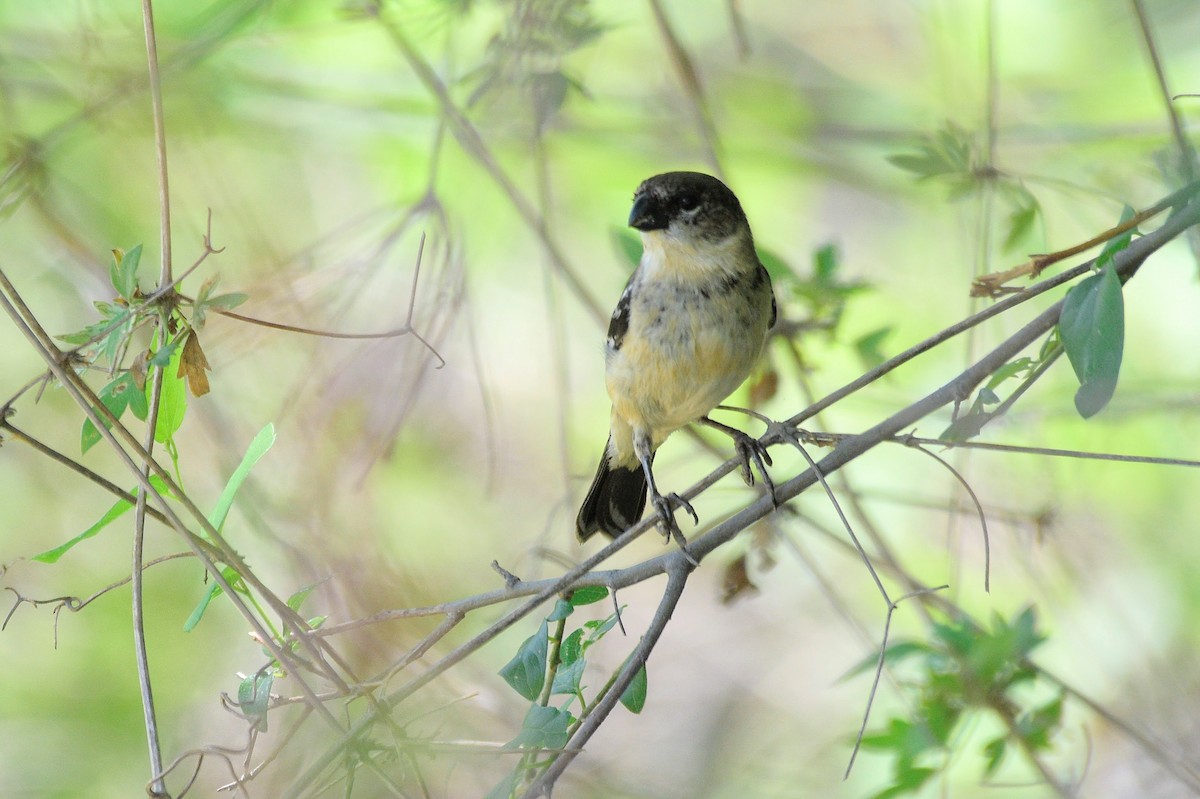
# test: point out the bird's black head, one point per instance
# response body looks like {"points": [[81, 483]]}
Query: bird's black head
{"points": [[690, 204]]}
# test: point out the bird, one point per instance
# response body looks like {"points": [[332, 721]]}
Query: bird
{"points": [[686, 332]]}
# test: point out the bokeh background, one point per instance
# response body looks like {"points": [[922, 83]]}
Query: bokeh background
{"points": [[324, 158]]}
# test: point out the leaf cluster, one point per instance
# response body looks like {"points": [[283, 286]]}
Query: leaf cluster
{"points": [[553, 663], [963, 670]]}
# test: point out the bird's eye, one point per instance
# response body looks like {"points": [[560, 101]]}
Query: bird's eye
{"points": [[689, 203]]}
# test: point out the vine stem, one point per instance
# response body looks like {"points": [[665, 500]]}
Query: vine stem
{"points": [[157, 786]]}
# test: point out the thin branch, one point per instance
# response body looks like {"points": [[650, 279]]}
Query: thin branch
{"points": [[1187, 154], [157, 786], [473, 144], [987, 540], [406, 330], [689, 78]]}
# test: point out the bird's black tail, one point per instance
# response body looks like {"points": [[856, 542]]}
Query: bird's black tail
{"points": [[614, 502]]}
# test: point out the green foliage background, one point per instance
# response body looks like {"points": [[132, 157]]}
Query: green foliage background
{"points": [[395, 484]]}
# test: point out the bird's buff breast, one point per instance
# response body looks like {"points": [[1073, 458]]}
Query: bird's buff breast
{"points": [[683, 354]]}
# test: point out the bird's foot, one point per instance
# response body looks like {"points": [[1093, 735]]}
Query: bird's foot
{"points": [[665, 507]]}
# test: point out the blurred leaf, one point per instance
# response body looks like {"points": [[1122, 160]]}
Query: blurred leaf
{"points": [[736, 580], [507, 786], [894, 654], [779, 270], [763, 387], [1010, 369], [825, 262], [966, 426], [193, 365], [228, 302], [254, 696], [112, 514], [543, 728], [634, 695], [994, 751], [1092, 329], [258, 447], [123, 271], [1020, 224], [549, 92], [205, 301], [526, 672], [908, 780], [628, 244], [587, 595], [296, 600], [1035, 727], [869, 347], [214, 590], [945, 153]]}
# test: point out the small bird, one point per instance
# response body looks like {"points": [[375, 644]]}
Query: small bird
{"points": [[686, 332]]}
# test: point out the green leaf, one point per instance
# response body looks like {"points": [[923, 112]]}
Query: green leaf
{"points": [[1035, 727], [634, 695], [562, 609], [825, 262], [1020, 224], [894, 654], [258, 447], [597, 629], [112, 514], [507, 786], [123, 271], [297, 599], [118, 395], [228, 302], [967, 426], [1010, 369], [543, 728], [254, 694], [214, 590], [869, 346], [172, 402], [908, 781], [1116, 243], [571, 649], [526, 672], [1092, 329], [587, 595], [628, 244], [162, 357], [776, 266], [994, 750], [568, 677]]}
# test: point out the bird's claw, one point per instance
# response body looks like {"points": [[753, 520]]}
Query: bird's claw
{"points": [[663, 508], [752, 451]]}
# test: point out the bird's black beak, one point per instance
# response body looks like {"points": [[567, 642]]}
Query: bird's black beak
{"points": [[647, 214]]}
